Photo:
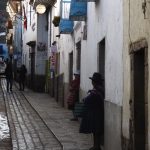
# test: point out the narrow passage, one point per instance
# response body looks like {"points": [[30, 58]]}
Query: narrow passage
{"points": [[28, 130]]}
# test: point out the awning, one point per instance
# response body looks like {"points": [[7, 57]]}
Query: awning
{"points": [[31, 43], [65, 26], [78, 11]]}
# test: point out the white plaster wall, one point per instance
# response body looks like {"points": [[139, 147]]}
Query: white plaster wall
{"points": [[104, 20], [65, 44], [78, 30], [28, 35], [135, 28]]}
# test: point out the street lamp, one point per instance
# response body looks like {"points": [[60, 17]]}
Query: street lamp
{"points": [[40, 9]]}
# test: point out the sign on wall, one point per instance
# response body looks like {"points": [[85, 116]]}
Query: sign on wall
{"points": [[52, 61], [53, 56], [41, 46], [54, 48]]}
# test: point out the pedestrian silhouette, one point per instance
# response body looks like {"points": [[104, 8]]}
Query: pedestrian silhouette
{"points": [[93, 116], [73, 96], [22, 76], [9, 75]]}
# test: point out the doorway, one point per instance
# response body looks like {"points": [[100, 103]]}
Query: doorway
{"points": [[57, 69], [31, 73], [101, 57], [101, 70], [78, 59], [70, 66], [139, 82], [32, 54]]}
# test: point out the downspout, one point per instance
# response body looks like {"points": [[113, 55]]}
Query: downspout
{"points": [[144, 8], [50, 26]]}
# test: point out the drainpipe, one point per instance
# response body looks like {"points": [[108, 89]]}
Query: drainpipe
{"points": [[144, 8], [50, 26]]}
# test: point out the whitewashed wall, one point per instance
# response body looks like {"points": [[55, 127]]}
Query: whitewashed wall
{"points": [[104, 20], [39, 34], [29, 34], [65, 44]]}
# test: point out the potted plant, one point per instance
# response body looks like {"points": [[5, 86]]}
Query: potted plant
{"points": [[56, 21]]}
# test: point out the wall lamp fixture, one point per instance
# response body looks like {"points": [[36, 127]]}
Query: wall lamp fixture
{"points": [[40, 9]]}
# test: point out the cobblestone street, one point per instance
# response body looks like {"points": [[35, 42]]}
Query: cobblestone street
{"points": [[28, 131], [5, 141], [37, 122]]}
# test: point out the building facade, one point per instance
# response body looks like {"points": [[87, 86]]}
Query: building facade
{"points": [[107, 37], [96, 45]]}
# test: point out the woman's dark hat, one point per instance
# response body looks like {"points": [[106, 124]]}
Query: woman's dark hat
{"points": [[97, 77]]}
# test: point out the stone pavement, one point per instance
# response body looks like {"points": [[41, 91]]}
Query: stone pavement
{"points": [[58, 120], [28, 131], [37, 122], [5, 139]]}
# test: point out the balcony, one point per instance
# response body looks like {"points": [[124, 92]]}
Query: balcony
{"points": [[78, 11], [65, 26]]}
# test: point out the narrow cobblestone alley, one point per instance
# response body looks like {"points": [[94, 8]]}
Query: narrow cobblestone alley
{"points": [[37, 122], [5, 140], [28, 131]]}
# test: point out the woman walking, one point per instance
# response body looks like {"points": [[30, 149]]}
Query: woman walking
{"points": [[9, 75]]}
